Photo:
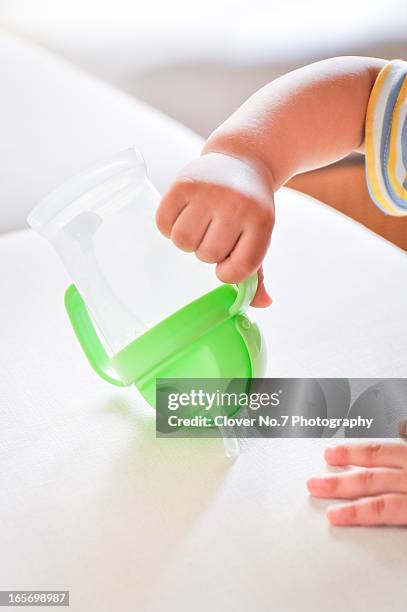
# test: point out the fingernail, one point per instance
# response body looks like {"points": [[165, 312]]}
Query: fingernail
{"points": [[330, 451], [333, 514], [315, 482]]}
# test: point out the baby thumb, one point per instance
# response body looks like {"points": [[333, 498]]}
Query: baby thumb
{"points": [[262, 298]]}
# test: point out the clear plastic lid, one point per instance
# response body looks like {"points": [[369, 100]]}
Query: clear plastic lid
{"points": [[102, 224]]}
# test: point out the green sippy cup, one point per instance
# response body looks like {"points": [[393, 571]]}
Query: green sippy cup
{"points": [[140, 308]]}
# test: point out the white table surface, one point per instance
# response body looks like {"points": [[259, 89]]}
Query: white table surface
{"points": [[91, 501]]}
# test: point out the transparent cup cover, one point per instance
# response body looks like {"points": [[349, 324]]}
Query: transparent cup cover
{"points": [[102, 224]]}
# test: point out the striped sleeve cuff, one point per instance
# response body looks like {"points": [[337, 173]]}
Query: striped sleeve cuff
{"points": [[386, 139]]}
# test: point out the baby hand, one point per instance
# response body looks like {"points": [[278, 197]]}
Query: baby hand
{"points": [[380, 490], [221, 208]]}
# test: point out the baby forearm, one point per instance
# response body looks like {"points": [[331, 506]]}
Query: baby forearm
{"points": [[303, 120]]}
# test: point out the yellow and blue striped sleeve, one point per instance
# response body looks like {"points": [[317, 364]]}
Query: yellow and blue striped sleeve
{"points": [[386, 139]]}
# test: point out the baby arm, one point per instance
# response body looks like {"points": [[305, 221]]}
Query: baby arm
{"points": [[221, 205]]}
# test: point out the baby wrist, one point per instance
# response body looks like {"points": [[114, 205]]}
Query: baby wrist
{"points": [[241, 150], [232, 172]]}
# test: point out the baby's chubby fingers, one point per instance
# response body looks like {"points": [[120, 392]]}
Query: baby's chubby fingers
{"points": [[247, 255], [388, 509], [190, 228], [382, 487], [219, 240], [172, 204], [222, 208], [370, 454], [359, 483]]}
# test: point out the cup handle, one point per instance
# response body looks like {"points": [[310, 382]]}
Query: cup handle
{"points": [[88, 338], [245, 293]]}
